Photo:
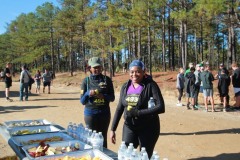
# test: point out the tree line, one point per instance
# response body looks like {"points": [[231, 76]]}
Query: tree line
{"points": [[165, 34]]}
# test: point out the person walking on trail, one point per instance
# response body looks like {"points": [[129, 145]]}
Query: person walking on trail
{"points": [[180, 85], [125, 67], [236, 84], [142, 124], [47, 79], [190, 88], [223, 86], [37, 78], [97, 92], [207, 78], [8, 80], [24, 83]]}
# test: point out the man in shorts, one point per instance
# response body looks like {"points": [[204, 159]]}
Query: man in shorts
{"points": [[47, 79], [8, 80], [207, 77]]}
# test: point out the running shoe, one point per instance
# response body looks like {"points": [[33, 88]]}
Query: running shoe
{"points": [[179, 104]]}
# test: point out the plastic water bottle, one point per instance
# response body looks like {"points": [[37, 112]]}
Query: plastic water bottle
{"points": [[74, 130], [154, 155], [151, 102], [89, 135], [95, 140], [80, 129], [129, 152], [101, 140], [143, 150], [69, 129], [135, 155], [131, 146], [121, 151], [85, 134], [144, 156]]}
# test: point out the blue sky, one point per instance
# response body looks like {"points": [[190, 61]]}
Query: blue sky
{"points": [[11, 9]]}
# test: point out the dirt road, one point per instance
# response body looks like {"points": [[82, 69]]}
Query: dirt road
{"points": [[185, 134]]}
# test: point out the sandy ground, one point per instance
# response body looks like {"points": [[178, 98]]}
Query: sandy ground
{"points": [[185, 134]]}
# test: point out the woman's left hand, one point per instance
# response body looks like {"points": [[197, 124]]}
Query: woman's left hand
{"points": [[113, 137]]}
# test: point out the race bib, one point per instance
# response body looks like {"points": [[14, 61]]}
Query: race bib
{"points": [[132, 99], [98, 101]]}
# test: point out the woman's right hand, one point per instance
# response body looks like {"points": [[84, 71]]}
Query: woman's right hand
{"points": [[113, 137]]}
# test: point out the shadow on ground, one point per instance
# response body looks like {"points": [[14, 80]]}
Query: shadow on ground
{"points": [[68, 93], [224, 156], [11, 109], [15, 94], [55, 99], [225, 131]]}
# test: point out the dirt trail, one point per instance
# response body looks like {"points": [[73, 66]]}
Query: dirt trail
{"points": [[185, 134]]}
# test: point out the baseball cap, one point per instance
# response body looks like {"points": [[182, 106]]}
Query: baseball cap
{"points": [[94, 62]]}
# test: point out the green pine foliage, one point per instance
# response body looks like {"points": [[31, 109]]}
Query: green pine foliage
{"points": [[64, 38]]}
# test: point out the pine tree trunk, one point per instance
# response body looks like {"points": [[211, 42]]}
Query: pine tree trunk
{"points": [[169, 40], [195, 46], [70, 57], [139, 42], [134, 43], [58, 56], [163, 40], [173, 46], [201, 46], [129, 45], [149, 42], [185, 42], [52, 52]]}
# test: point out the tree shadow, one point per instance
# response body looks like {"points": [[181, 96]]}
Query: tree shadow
{"points": [[11, 109], [67, 93], [224, 156], [225, 131], [16, 94], [56, 99]]}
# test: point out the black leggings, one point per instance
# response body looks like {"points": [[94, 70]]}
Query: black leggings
{"points": [[99, 123], [180, 90], [145, 136]]}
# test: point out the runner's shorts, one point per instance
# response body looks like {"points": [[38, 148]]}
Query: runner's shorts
{"points": [[208, 92], [46, 84]]}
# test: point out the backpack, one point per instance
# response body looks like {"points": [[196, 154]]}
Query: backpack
{"points": [[191, 79]]}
